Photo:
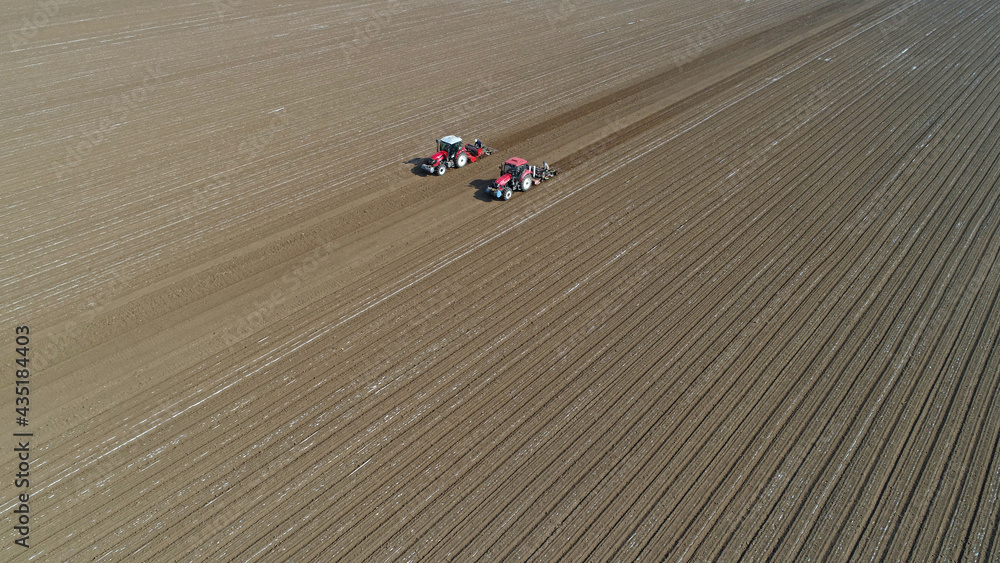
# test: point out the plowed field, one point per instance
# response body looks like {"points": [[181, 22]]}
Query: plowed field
{"points": [[754, 316]]}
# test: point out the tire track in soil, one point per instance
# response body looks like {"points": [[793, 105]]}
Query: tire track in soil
{"points": [[414, 380]]}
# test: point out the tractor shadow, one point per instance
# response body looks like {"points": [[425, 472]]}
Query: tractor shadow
{"points": [[480, 187], [417, 170]]}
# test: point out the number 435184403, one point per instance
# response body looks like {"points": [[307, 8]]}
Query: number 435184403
{"points": [[22, 374]]}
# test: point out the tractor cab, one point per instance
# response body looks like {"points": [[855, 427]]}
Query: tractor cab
{"points": [[515, 174], [450, 145], [513, 166], [451, 154]]}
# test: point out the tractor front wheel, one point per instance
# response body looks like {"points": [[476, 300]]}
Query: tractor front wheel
{"points": [[506, 194], [441, 169]]}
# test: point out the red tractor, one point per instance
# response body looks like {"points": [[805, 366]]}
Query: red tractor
{"points": [[517, 174], [451, 154]]}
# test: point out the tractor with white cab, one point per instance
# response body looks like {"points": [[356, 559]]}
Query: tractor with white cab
{"points": [[451, 154]]}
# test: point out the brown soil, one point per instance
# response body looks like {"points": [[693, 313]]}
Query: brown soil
{"points": [[754, 316]]}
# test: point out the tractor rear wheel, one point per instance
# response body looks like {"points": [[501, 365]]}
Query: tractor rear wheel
{"points": [[441, 169], [526, 183], [460, 160], [506, 194]]}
